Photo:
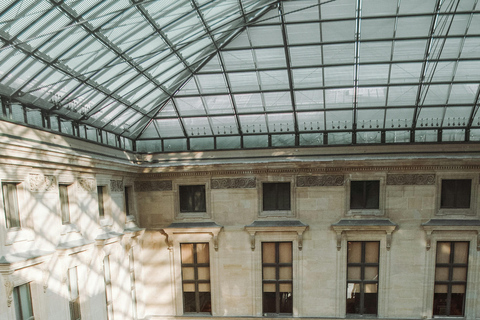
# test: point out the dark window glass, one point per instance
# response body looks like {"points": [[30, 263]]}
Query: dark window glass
{"points": [[456, 193], [192, 199], [23, 302], [64, 203], [127, 200], [364, 194], [276, 196], [10, 202], [196, 277], [101, 201], [277, 275], [74, 296], [450, 278], [362, 277]]}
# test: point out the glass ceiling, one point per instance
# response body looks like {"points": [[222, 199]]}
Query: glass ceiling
{"points": [[230, 74]]}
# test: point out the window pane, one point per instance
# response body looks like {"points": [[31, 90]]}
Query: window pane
{"points": [[455, 193], [364, 194], [371, 273], [202, 253], [268, 252], [371, 252], [285, 273], [354, 252], [63, 191], [443, 252], [276, 196], [192, 198], [11, 205], [459, 274], [354, 273], [187, 253], [461, 252], [188, 273], [285, 251], [203, 273], [441, 274], [269, 273]]}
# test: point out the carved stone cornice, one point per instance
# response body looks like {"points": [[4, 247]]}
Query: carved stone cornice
{"points": [[410, 179], [234, 183], [116, 186], [163, 185], [42, 183], [321, 181], [87, 185]]}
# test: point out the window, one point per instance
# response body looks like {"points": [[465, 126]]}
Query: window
{"points": [[23, 302], [451, 266], [277, 274], [108, 287], [196, 277], [192, 198], [64, 203], [455, 193], [362, 277], [74, 296], [365, 194], [276, 196], [10, 202], [126, 193], [101, 201]]}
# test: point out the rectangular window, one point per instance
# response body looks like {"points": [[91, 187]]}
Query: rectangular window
{"points": [[450, 279], [362, 277], [64, 203], [74, 295], [108, 287], [365, 194], [101, 201], [10, 203], [456, 193], [126, 193], [192, 198], [196, 277], [23, 302], [277, 277], [276, 196]]}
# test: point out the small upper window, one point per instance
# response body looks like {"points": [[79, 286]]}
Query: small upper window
{"points": [[64, 203], [23, 302], [365, 194], [192, 198], [101, 201], [456, 193], [276, 196], [10, 201]]}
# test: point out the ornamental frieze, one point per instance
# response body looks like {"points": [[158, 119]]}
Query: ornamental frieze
{"points": [[41, 183], [234, 183], [410, 179], [116, 185], [87, 185], [144, 186], [321, 181]]}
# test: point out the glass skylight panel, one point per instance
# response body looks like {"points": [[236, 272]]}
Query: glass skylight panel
{"points": [[338, 76], [311, 121], [377, 28], [295, 10], [240, 41], [305, 56], [373, 74], [376, 51], [463, 93], [399, 118], [278, 101], [224, 125], [212, 83], [414, 6], [451, 48], [190, 106], [475, 23], [338, 9], [198, 126], [244, 81], [124, 119], [307, 78], [238, 60], [406, 72], [430, 117], [250, 102], [339, 120], [308, 99], [280, 122], [164, 75], [457, 116], [9, 58], [189, 88], [338, 31], [253, 123], [272, 16], [409, 50], [459, 24], [402, 95], [180, 30], [370, 119], [339, 98], [304, 33], [274, 80], [266, 35], [471, 48], [339, 53], [270, 58], [22, 15], [165, 12], [136, 89], [80, 7], [47, 25], [371, 96], [212, 65], [23, 73], [412, 27], [468, 71], [64, 40], [377, 8], [441, 71], [220, 104]]}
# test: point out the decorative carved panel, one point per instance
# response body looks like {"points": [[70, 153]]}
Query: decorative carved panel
{"points": [[234, 183], [41, 183], [321, 181], [144, 186], [87, 185], [116, 186], [410, 179]]}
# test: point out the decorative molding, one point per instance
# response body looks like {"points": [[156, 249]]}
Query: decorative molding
{"points": [[210, 229], [410, 179], [458, 225], [7, 281], [321, 181], [282, 226], [145, 186], [42, 183], [362, 225], [116, 186], [87, 185], [234, 183]]}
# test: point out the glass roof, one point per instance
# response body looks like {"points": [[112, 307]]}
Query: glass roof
{"points": [[230, 74]]}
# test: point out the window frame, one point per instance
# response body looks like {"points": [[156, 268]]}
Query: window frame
{"points": [[276, 213], [74, 302], [18, 303], [70, 196], [381, 178], [107, 277], [7, 207], [472, 210], [192, 214]]}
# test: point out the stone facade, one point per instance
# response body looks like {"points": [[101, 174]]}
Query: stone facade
{"points": [[143, 251]]}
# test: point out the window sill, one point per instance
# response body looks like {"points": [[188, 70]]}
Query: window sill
{"points": [[365, 212], [15, 235], [276, 226], [276, 213], [455, 212]]}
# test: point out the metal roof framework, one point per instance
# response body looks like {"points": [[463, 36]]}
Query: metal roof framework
{"points": [[232, 74]]}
